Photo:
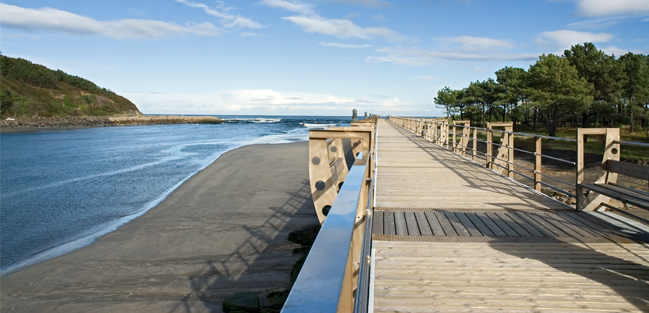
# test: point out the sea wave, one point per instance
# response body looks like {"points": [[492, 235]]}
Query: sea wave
{"points": [[310, 125], [252, 120]]}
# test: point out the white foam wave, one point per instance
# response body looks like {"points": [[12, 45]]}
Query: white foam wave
{"points": [[310, 125], [254, 120]]}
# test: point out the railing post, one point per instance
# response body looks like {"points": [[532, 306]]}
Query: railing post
{"points": [[510, 154], [475, 144], [611, 152], [446, 136], [466, 132], [454, 138], [490, 135], [537, 165], [434, 139]]}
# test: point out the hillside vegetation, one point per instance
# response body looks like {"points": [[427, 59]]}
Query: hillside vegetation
{"points": [[31, 90]]}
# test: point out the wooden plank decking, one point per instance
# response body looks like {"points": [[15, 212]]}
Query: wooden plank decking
{"points": [[452, 236]]}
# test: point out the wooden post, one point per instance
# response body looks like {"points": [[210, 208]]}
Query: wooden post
{"points": [[504, 160], [490, 136], [510, 154], [464, 140], [446, 131], [612, 152], [475, 144], [537, 165], [356, 244], [454, 138], [434, 139]]}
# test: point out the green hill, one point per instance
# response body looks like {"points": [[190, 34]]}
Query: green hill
{"points": [[33, 90]]}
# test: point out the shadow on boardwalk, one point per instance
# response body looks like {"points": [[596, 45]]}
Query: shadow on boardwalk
{"points": [[618, 269]]}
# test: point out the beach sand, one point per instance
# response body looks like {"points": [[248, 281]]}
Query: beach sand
{"points": [[224, 230]]}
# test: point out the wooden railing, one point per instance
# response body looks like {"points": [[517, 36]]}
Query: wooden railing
{"points": [[334, 276], [605, 191], [445, 133]]}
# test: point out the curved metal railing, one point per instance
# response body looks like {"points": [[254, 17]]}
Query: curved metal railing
{"points": [[335, 275]]}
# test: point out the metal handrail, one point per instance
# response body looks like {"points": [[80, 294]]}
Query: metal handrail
{"points": [[319, 284], [362, 291], [518, 165], [631, 143], [552, 177]]}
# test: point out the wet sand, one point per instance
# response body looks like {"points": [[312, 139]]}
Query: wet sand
{"points": [[223, 230]]}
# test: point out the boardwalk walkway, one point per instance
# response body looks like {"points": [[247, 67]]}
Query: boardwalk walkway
{"points": [[452, 236]]}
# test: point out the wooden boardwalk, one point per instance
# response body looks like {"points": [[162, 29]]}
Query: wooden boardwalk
{"points": [[452, 236]]}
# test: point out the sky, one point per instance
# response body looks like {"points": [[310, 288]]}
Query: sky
{"points": [[299, 57]]}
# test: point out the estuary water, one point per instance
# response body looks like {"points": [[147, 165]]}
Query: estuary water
{"points": [[60, 190]]}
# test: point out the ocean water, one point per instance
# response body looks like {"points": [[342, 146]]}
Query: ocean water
{"points": [[60, 190]]}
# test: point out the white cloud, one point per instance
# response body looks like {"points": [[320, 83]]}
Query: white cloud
{"points": [[341, 28], [593, 8], [366, 3], [564, 39], [378, 17], [342, 45], [293, 6], [478, 69], [425, 77], [264, 101], [471, 43], [419, 57], [53, 20], [618, 52], [248, 34], [401, 60], [645, 20], [227, 20], [600, 23], [311, 22]]}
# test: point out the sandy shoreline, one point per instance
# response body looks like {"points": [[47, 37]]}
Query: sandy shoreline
{"points": [[223, 230]]}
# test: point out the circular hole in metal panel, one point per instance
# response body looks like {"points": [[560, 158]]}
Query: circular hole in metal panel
{"points": [[320, 185], [355, 144], [614, 151], [315, 160], [326, 210], [334, 149]]}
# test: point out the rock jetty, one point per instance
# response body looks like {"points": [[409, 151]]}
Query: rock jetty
{"points": [[104, 121]]}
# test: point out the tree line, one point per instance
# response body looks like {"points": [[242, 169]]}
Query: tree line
{"points": [[584, 87]]}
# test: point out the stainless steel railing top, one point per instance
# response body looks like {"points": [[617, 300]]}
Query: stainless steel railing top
{"points": [[318, 287]]}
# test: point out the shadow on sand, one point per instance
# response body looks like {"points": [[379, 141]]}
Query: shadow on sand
{"points": [[262, 263]]}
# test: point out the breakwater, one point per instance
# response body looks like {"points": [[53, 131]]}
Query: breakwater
{"points": [[105, 121]]}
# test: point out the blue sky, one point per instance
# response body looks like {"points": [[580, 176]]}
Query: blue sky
{"points": [[320, 57]]}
